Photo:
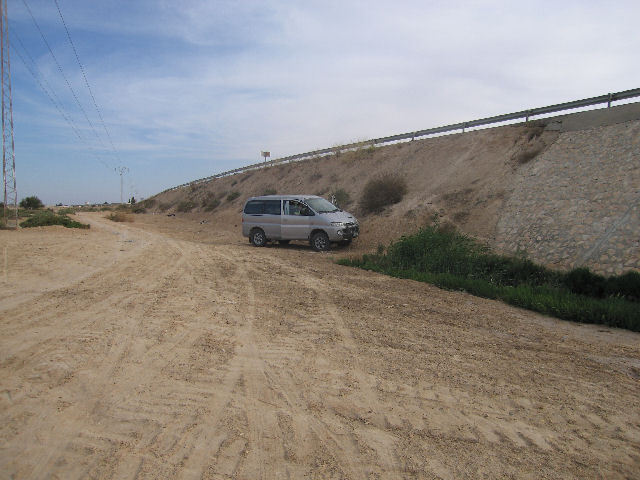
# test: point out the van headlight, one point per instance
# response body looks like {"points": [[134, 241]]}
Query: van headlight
{"points": [[337, 224]]}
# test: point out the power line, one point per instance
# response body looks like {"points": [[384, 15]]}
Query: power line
{"points": [[75, 96], [51, 95], [86, 81]]}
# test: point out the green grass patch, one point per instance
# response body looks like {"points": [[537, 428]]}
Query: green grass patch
{"points": [[47, 218], [453, 261]]}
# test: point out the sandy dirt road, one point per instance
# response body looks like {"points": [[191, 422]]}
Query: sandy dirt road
{"points": [[161, 349]]}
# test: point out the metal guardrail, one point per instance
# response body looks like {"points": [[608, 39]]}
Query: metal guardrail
{"points": [[526, 114]]}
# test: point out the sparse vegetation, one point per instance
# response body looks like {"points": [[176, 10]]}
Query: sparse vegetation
{"points": [[359, 154], [47, 218], [232, 196], [186, 206], [454, 261], [315, 176], [31, 203], [67, 211], [210, 202], [381, 192], [163, 207], [149, 203], [245, 176], [270, 191], [138, 208], [119, 217]]}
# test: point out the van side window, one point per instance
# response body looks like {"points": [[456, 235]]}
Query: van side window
{"points": [[254, 207], [294, 207], [272, 207]]}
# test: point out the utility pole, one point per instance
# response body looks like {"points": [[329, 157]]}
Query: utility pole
{"points": [[10, 201], [122, 171]]}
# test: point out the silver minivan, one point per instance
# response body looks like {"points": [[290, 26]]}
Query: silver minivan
{"points": [[297, 217]]}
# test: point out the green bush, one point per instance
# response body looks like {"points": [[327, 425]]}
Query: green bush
{"points": [[47, 218], [31, 203], [584, 282], [381, 192], [232, 196], [626, 285]]}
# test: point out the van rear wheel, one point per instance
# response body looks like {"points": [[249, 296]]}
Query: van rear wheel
{"points": [[258, 238], [320, 242]]}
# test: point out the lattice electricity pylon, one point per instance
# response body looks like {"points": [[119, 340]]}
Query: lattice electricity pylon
{"points": [[10, 204]]}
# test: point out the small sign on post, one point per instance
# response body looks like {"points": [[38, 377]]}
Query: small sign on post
{"points": [[265, 155]]}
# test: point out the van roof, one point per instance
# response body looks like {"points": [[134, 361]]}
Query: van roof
{"points": [[284, 197]]}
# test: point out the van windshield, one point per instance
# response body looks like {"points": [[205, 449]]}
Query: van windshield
{"points": [[321, 205]]}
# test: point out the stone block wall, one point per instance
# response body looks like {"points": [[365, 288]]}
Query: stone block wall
{"points": [[578, 203]]}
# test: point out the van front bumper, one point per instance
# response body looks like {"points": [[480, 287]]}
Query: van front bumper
{"points": [[347, 231]]}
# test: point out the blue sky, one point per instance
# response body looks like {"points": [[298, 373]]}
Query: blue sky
{"points": [[191, 88]]}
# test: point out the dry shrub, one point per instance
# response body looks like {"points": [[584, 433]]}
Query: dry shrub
{"points": [[531, 152], [186, 206], [119, 217], [138, 208], [210, 202], [315, 176], [232, 196], [382, 191], [341, 198]]}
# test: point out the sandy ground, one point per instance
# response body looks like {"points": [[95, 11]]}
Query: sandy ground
{"points": [[169, 349]]}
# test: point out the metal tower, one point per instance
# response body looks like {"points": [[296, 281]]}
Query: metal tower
{"points": [[10, 202]]}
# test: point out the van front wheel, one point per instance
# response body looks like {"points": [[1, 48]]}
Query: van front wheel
{"points": [[320, 242], [258, 238]]}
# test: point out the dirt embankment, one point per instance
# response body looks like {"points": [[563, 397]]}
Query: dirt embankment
{"points": [[562, 190], [167, 348]]}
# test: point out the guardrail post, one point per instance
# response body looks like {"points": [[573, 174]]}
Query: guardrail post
{"points": [[528, 115], [610, 100], [464, 126]]}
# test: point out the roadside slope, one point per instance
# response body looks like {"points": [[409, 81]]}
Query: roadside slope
{"points": [[563, 189]]}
